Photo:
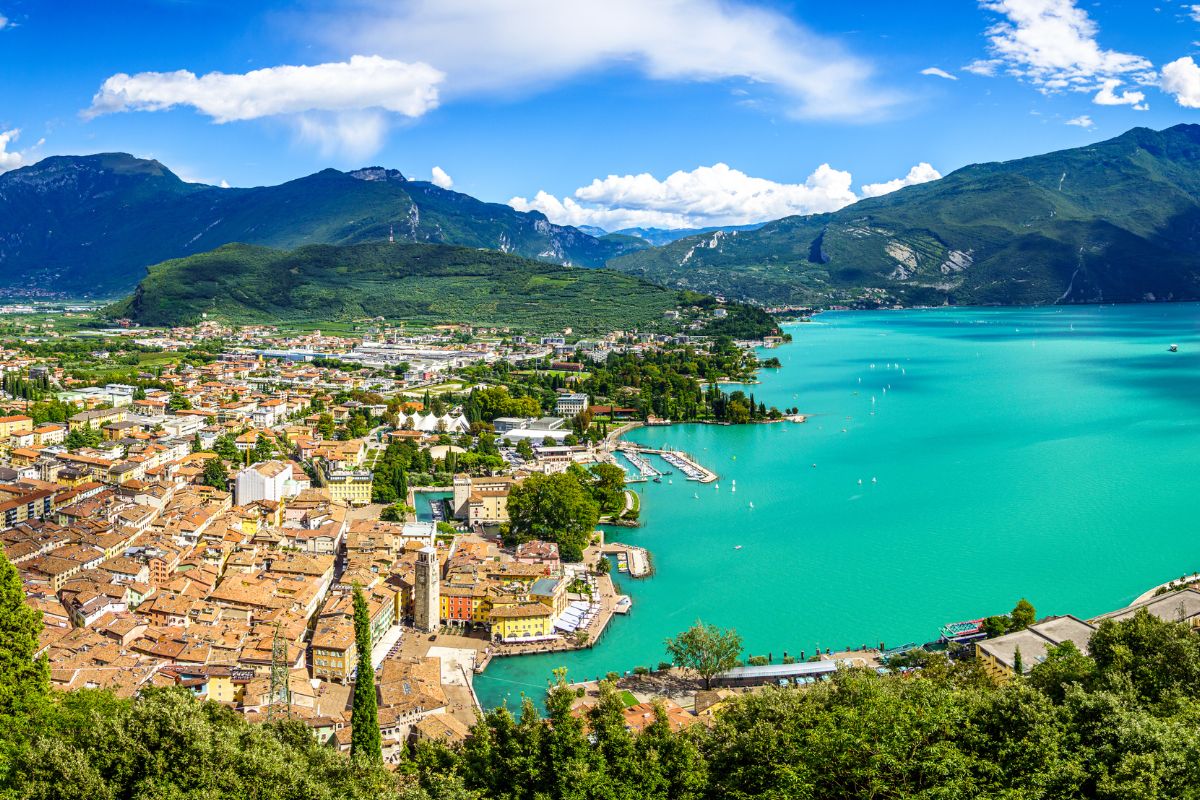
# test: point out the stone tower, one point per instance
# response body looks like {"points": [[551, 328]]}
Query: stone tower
{"points": [[427, 603]]}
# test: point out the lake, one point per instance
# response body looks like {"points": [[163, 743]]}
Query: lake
{"points": [[1046, 453]]}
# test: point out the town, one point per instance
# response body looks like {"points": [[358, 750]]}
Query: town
{"points": [[196, 507]]}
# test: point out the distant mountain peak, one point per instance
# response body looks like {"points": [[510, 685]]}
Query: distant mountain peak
{"points": [[378, 174]]}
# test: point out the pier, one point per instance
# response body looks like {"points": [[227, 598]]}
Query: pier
{"points": [[640, 464], [634, 561], [676, 458]]}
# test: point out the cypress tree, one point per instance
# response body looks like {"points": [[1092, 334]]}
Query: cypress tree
{"points": [[365, 742], [23, 679]]}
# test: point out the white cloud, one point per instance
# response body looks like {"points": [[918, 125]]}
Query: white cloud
{"points": [[716, 195], [441, 178], [921, 173], [340, 106], [983, 66], [354, 134], [939, 73], [1082, 121], [1052, 44], [1194, 11], [11, 159], [1108, 97], [362, 82], [506, 46], [3, 22], [1181, 78]]}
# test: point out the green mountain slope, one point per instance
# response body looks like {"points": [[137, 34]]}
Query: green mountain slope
{"points": [[1117, 221], [435, 283], [92, 224]]}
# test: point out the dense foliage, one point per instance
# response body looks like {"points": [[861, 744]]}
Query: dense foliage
{"points": [[243, 284], [1108, 222], [554, 508]]}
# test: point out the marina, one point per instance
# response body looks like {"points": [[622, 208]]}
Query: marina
{"points": [[689, 467]]}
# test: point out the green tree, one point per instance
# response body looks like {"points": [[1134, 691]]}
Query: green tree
{"points": [[525, 449], [24, 678], [226, 448], [178, 402], [1023, 615], [608, 487], [264, 449], [1063, 667], [83, 436], [1155, 659], [215, 474], [365, 742], [1018, 662], [706, 650], [554, 508]]}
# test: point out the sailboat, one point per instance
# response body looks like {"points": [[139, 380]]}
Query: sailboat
{"points": [[752, 504]]}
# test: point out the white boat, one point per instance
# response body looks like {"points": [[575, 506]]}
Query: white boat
{"points": [[752, 504], [860, 481], [874, 480], [1174, 348], [737, 547], [733, 489], [695, 496]]}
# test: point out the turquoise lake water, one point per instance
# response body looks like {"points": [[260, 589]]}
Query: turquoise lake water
{"points": [[1046, 453]]}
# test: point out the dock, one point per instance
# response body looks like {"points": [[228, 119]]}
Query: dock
{"points": [[632, 560], [678, 459], [640, 464]]}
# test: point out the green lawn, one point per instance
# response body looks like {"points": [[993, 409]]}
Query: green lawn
{"points": [[628, 699]]}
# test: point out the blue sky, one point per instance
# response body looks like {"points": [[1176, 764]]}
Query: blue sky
{"points": [[702, 111]]}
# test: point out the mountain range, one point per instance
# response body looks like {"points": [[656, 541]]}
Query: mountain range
{"points": [[661, 236], [1116, 221], [91, 225]]}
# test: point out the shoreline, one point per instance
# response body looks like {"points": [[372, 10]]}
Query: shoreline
{"points": [[1153, 591]]}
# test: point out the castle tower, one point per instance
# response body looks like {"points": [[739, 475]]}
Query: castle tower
{"points": [[427, 603]]}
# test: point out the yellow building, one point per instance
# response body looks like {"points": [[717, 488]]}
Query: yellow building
{"points": [[352, 486], [221, 688], [10, 425], [522, 621], [96, 417]]}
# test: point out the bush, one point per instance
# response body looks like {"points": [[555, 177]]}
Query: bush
{"points": [[663, 666], [641, 670], [612, 677], [757, 661]]}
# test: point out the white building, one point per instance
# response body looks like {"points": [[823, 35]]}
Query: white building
{"points": [[269, 480], [568, 405]]}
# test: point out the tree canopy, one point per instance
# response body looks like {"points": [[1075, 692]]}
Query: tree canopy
{"points": [[706, 650], [554, 508]]}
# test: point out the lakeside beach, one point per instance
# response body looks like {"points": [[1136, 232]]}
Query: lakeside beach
{"points": [[959, 520]]}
